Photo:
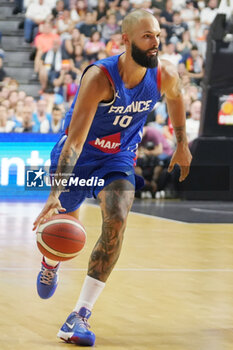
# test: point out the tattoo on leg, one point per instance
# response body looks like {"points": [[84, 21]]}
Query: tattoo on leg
{"points": [[115, 201]]}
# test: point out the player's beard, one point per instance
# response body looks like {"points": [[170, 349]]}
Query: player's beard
{"points": [[142, 58]]}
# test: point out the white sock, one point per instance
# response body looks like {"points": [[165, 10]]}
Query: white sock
{"points": [[90, 292], [50, 262]]}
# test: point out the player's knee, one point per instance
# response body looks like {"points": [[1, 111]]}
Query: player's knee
{"points": [[114, 224], [117, 214]]}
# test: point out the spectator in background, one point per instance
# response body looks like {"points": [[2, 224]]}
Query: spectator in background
{"points": [[6, 103], [13, 98], [93, 46], [170, 54], [184, 46], [196, 31], [194, 65], [5, 124], [56, 121], [162, 149], [189, 13], [50, 3], [101, 55], [115, 45], [136, 4], [193, 91], [185, 79], [65, 85], [35, 15], [208, 13], [79, 59], [101, 12], [158, 6], [110, 27], [88, 26], [18, 114], [52, 99], [113, 7], [146, 5], [5, 81], [74, 14], [68, 45], [41, 118], [81, 8], [178, 28], [50, 65], [160, 120], [166, 16], [27, 122], [12, 84], [30, 102], [10, 113], [154, 155], [121, 11], [124, 9], [178, 5], [163, 40], [43, 43], [21, 95], [4, 93], [57, 11], [65, 25], [202, 42], [193, 122]]}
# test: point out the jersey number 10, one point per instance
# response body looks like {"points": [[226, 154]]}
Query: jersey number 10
{"points": [[123, 121]]}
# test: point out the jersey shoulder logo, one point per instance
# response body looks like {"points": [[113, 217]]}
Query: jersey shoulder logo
{"points": [[117, 94]]}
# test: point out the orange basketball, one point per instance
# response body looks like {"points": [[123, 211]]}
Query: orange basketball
{"points": [[61, 237]]}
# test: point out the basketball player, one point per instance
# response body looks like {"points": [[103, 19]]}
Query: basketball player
{"points": [[102, 131]]}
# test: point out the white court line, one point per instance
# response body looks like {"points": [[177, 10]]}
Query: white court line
{"points": [[177, 221], [146, 215], [185, 222], [14, 269], [159, 217], [212, 211]]}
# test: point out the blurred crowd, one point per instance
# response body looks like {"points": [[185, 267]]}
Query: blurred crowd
{"points": [[68, 35]]}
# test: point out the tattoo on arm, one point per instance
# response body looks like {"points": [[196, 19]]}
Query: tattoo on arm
{"points": [[67, 161], [180, 133], [68, 158]]}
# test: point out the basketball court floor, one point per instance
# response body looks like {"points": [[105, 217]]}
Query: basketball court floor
{"points": [[172, 288]]}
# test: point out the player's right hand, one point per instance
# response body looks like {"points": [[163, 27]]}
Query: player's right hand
{"points": [[52, 207]]}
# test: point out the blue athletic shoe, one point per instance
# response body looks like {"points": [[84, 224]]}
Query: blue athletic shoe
{"points": [[76, 329], [47, 280]]}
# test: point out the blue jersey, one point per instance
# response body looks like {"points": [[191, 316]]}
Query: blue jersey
{"points": [[117, 126]]}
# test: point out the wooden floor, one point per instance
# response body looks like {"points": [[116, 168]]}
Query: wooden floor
{"points": [[172, 288]]}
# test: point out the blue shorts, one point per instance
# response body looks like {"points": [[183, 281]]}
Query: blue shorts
{"points": [[96, 176]]}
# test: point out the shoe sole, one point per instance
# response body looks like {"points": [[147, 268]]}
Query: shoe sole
{"points": [[70, 338]]}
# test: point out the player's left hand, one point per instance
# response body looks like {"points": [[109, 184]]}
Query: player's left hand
{"points": [[183, 158]]}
